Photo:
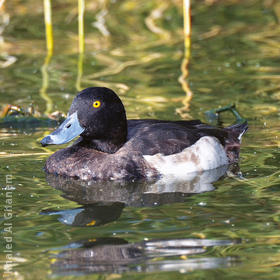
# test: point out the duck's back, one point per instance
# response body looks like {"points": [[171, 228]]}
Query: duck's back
{"points": [[150, 137]]}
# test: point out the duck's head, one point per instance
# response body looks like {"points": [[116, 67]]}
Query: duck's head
{"points": [[98, 116]]}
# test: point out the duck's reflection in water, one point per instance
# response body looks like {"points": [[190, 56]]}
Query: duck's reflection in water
{"points": [[103, 202], [89, 215], [114, 255], [137, 194]]}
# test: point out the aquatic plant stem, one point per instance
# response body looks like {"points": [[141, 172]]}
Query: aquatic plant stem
{"points": [[214, 114], [187, 27], [44, 68], [81, 12], [48, 25], [45, 84], [80, 71], [185, 63]]}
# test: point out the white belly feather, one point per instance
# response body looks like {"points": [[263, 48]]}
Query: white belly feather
{"points": [[207, 153]]}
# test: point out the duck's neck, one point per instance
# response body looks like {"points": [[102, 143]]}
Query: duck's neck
{"points": [[109, 145], [106, 146]]}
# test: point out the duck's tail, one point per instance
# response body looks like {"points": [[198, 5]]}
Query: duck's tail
{"points": [[237, 130], [234, 132], [232, 145]]}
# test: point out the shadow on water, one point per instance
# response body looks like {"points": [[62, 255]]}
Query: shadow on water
{"points": [[116, 255], [136, 194], [103, 202]]}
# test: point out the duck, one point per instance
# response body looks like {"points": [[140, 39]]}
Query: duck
{"points": [[110, 147]]}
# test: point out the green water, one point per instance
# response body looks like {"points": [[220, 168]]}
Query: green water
{"points": [[136, 48]]}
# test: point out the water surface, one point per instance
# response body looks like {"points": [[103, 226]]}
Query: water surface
{"points": [[231, 231]]}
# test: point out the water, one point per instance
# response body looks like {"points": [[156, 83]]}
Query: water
{"points": [[59, 230]]}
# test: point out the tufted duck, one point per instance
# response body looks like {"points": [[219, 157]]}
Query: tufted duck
{"points": [[110, 147]]}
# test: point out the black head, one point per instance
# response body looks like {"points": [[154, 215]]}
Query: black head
{"points": [[100, 112], [98, 116]]}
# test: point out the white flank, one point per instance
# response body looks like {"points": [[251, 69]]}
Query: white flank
{"points": [[207, 153], [194, 182]]}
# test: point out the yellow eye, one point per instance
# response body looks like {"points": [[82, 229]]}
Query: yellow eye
{"points": [[96, 104]]}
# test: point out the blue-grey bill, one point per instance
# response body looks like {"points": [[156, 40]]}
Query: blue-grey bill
{"points": [[66, 132]]}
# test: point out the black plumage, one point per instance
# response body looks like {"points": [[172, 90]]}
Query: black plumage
{"points": [[110, 147]]}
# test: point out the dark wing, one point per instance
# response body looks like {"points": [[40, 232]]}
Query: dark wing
{"points": [[150, 137]]}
